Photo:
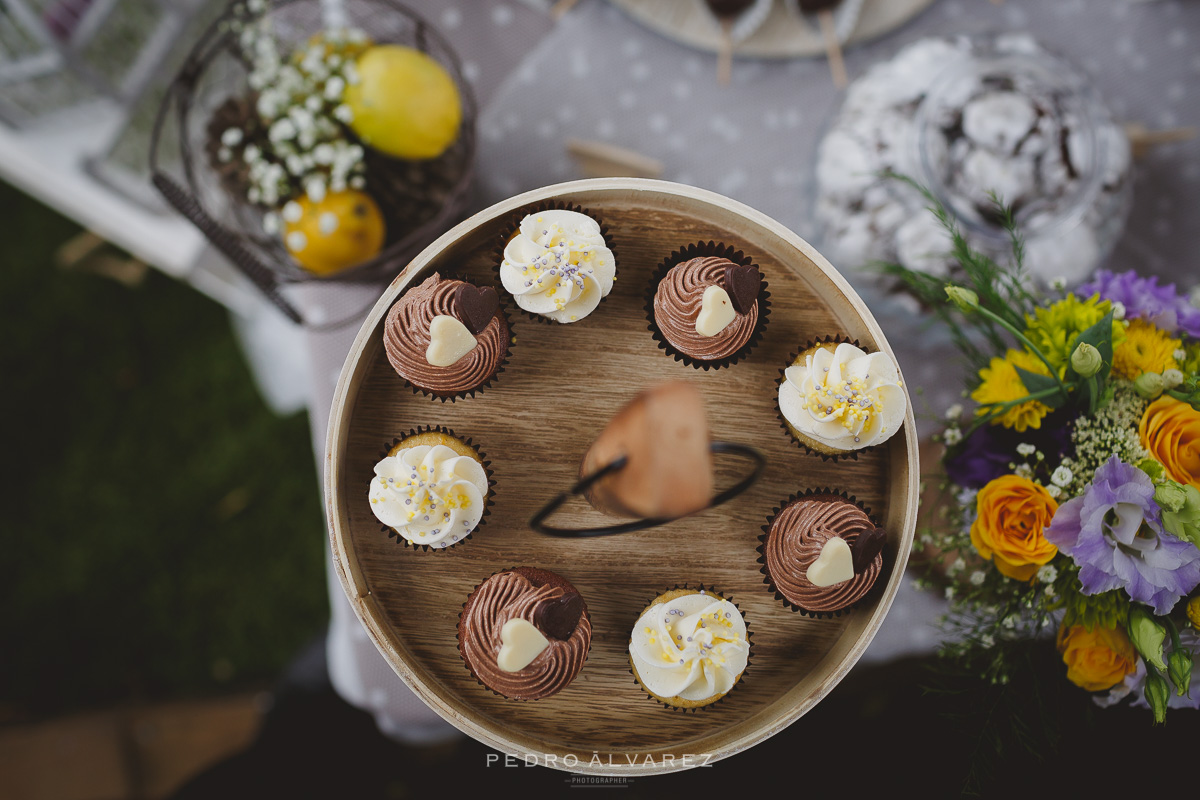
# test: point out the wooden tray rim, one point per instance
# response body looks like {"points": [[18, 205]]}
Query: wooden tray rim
{"points": [[782, 36], [353, 582]]}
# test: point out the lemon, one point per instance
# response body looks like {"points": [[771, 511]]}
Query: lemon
{"points": [[342, 230], [405, 104]]}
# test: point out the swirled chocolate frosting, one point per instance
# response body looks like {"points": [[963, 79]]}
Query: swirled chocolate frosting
{"points": [[510, 595], [406, 338], [795, 540], [677, 303]]}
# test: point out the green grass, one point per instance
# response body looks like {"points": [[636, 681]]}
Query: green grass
{"points": [[160, 529]]}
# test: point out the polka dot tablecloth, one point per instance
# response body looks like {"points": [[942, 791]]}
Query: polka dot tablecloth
{"points": [[598, 75]]}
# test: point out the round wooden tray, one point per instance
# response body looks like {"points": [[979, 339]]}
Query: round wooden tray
{"points": [[784, 34], [561, 386]]}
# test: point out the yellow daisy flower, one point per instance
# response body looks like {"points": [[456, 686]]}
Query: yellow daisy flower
{"points": [[1001, 383], [1145, 349], [1053, 328]]}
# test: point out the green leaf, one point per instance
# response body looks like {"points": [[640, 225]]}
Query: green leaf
{"points": [[1035, 383]]}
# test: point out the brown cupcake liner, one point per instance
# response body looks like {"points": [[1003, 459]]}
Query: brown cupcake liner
{"points": [[487, 501], [702, 250], [481, 388], [484, 386], [513, 223], [741, 678], [762, 555], [851, 455], [458, 633]]}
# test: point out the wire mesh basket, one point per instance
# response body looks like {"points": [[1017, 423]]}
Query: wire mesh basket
{"points": [[418, 199]]}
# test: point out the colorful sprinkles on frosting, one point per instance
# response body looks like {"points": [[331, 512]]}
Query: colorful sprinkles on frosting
{"points": [[849, 400]]}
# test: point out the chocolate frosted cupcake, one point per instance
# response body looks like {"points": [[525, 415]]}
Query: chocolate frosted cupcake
{"points": [[822, 553], [689, 648], [446, 337], [708, 305], [524, 633]]}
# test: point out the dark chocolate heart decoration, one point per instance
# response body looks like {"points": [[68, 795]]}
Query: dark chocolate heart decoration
{"points": [[868, 544], [558, 617], [742, 283], [475, 307]]}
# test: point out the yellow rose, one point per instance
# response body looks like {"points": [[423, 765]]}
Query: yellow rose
{"points": [[1012, 513], [1170, 432], [1098, 659]]}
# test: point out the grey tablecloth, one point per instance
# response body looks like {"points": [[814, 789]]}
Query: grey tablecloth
{"points": [[598, 75]]}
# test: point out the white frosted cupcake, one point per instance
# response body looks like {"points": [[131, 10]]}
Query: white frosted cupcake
{"points": [[689, 648], [431, 489], [558, 265], [836, 398]]}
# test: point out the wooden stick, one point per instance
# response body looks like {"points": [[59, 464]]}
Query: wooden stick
{"points": [[833, 48], [562, 7], [79, 247], [1142, 140], [604, 160], [725, 54]]}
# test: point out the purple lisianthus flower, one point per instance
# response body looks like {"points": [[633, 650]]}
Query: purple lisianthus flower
{"points": [[1134, 681], [1114, 533], [985, 454], [1144, 299]]}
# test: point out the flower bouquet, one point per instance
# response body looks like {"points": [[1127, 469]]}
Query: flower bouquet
{"points": [[1074, 481]]}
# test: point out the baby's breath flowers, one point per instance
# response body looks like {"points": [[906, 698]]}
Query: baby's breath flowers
{"points": [[302, 146], [1111, 431]]}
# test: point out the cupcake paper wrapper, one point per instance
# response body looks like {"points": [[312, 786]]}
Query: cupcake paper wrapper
{"points": [[466, 664], [513, 223], [762, 556], [741, 679], [851, 455], [487, 502], [481, 388], [701, 250]]}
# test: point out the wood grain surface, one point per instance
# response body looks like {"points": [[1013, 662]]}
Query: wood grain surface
{"points": [[561, 385]]}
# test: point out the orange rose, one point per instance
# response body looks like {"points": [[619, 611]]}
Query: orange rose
{"points": [[1098, 659], [1170, 431], [1012, 513]]}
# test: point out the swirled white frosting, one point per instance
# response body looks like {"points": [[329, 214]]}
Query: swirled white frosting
{"points": [[429, 495], [844, 398], [558, 265], [693, 647]]}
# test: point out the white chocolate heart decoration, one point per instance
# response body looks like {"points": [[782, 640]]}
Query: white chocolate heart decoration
{"points": [[449, 340], [716, 312], [834, 565], [520, 644]]}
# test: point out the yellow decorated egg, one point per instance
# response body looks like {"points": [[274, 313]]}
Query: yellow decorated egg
{"points": [[405, 104], [342, 230]]}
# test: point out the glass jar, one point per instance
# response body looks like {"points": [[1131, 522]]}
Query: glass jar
{"points": [[966, 117]]}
